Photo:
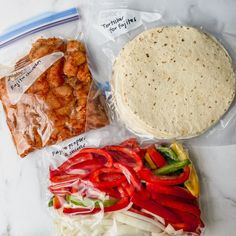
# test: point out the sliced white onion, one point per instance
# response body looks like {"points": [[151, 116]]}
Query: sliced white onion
{"points": [[137, 223], [144, 218], [170, 230]]}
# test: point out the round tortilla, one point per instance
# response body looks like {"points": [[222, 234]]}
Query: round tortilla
{"points": [[172, 82]]}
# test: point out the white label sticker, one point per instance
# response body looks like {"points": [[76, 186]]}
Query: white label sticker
{"points": [[68, 147], [19, 81], [119, 21]]}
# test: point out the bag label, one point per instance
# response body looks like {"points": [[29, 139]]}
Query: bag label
{"points": [[19, 81], [120, 21], [68, 147]]}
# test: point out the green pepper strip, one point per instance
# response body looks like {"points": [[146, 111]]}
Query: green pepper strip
{"points": [[168, 152], [172, 167], [50, 203], [77, 202]]}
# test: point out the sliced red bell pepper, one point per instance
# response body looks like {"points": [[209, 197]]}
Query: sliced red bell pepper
{"points": [[184, 226], [113, 192], [156, 157], [155, 208], [170, 190], [80, 210], [59, 191], [110, 177], [100, 152], [95, 178], [57, 202], [191, 221], [75, 159], [129, 188], [54, 172], [130, 175], [130, 153], [130, 143], [149, 177], [142, 152], [122, 192], [65, 178], [122, 203], [179, 205], [86, 166]]}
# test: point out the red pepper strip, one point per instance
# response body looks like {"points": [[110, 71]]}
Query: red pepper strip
{"points": [[122, 192], [113, 192], [149, 205], [178, 205], [110, 177], [184, 226], [81, 211], [65, 178], [122, 203], [130, 153], [59, 191], [94, 178], [174, 198], [85, 166], [170, 190], [142, 152], [191, 222], [57, 202], [100, 152], [128, 188], [130, 175], [156, 157], [77, 158], [53, 173], [132, 143], [149, 177]]}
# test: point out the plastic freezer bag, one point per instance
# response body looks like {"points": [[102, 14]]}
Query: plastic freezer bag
{"points": [[114, 24], [46, 87], [114, 187]]}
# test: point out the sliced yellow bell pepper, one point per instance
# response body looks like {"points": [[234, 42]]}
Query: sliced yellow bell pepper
{"points": [[150, 161], [192, 184]]}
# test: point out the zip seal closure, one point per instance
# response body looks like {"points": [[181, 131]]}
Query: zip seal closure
{"points": [[37, 25]]}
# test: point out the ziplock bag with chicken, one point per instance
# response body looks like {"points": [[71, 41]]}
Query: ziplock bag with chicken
{"points": [[46, 87]]}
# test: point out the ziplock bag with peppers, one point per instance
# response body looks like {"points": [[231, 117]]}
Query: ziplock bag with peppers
{"points": [[148, 189], [45, 83]]}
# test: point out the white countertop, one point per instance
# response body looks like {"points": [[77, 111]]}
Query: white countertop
{"points": [[23, 210]]}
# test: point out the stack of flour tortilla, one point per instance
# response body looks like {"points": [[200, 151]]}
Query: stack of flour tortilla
{"points": [[172, 82]]}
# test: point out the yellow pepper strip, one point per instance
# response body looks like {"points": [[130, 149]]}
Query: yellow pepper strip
{"points": [[150, 161], [192, 184]]}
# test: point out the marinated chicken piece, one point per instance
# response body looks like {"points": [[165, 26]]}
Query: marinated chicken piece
{"points": [[74, 45], [55, 74], [43, 47], [52, 101], [63, 91], [74, 58], [84, 73], [58, 104]]}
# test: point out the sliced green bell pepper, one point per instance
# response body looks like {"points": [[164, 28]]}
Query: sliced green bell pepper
{"points": [[168, 152], [90, 202], [172, 167]]}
